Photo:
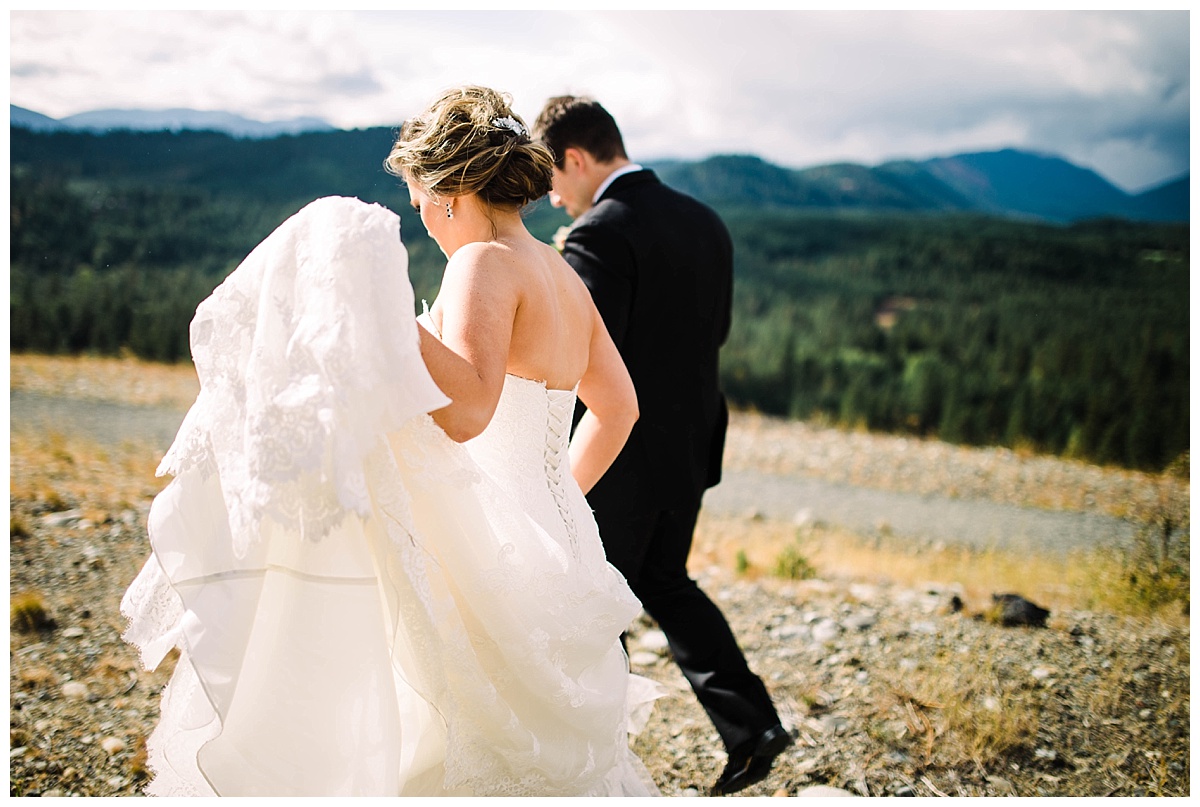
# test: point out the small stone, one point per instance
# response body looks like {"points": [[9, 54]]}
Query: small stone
{"points": [[787, 632], [1002, 785], [834, 724], [1042, 673], [73, 632], [112, 745], [1145, 714], [653, 640], [61, 519], [823, 791], [643, 658], [1046, 753], [690, 792], [74, 691], [860, 620], [1013, 609], [825, 630], [53, 793]]}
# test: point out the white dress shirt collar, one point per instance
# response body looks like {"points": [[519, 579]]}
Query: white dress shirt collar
{"points": [[608, 180]]}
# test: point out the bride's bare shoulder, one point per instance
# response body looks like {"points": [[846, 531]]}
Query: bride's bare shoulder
{"points": [[482, 262]]}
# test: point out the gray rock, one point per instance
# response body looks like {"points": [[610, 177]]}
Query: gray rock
{"points": [[74, 690], [825, 630], [824, 792], [62, 519], [653, 640], [1013, 609], [860, 620]]}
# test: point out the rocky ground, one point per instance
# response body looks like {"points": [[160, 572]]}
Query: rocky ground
{"points": [[885, 686]]}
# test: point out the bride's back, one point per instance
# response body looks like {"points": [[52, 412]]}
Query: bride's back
{"points": [[552, 328]]}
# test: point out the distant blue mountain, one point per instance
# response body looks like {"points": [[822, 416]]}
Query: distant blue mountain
{"points": [[172, 120], [1037, 185], [35, 121], [1005, 183], [1167, 200]]}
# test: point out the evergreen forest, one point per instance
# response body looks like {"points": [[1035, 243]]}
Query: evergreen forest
{"points": [[1068, 339]]}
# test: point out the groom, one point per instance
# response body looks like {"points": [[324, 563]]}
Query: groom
{"points": [[659, 265]]}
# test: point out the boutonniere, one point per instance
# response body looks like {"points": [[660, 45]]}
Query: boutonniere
{"points": [[560, 236]]}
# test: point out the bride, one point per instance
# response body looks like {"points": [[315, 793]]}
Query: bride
{"points": [[375, 558]]}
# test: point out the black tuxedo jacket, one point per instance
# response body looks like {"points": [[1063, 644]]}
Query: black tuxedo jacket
{"points": [[659, 265]]}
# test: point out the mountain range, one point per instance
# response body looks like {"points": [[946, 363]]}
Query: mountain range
{"points": [[1008, 182], [170, 120]]}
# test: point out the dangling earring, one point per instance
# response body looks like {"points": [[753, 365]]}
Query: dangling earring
{"points": [[449, 212]]}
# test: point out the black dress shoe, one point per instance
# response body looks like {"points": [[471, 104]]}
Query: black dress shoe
{"points": [[751, 761]]}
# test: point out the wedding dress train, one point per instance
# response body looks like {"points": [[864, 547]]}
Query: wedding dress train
{"points": [[361, 605]]}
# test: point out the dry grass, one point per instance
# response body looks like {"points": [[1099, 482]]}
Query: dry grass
{"points": [[127, 379], [1103, 580], [27, 613], [54, 473], [964, 712]]}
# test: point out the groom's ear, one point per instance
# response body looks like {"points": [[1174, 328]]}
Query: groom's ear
{"points": [[575, 159]]}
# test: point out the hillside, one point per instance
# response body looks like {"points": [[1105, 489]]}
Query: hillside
{"points": [[171, 120], [869, 298], [1003, 183]]}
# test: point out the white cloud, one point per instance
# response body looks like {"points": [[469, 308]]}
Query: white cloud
{"points": [[1109, 89]]}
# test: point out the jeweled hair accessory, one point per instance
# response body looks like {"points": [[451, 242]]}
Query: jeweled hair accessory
{"points": [[510, 123]]}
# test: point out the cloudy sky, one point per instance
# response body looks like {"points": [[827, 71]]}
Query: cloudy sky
{"points": [[1107, 90]]}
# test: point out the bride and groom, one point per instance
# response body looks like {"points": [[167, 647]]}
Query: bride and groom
{"points": [[376, 557]]}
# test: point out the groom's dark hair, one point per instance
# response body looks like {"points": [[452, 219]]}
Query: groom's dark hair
{"points": [[569, 121]]}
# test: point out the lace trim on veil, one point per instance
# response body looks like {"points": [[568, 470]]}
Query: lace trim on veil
{"points": [[305, 355]]}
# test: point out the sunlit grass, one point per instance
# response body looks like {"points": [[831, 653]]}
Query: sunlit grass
{"points": [[126, 379], [1095, 580], [49, 472]]}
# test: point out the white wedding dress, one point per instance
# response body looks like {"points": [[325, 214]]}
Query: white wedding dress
{"points": [[362, 606]]}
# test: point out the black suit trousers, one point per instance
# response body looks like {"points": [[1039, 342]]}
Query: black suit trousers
{"points": [[651, 551]]}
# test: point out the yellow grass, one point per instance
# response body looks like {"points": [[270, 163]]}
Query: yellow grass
{"points": [[1095, 580], [127, 379]]}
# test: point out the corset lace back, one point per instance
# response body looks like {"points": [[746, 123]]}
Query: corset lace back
{"points": [[525, 451]]}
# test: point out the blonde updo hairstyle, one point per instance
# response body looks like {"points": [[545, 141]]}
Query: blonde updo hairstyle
{"points": [[470, 141]]}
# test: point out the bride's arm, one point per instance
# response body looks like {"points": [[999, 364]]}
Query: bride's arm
{"points": [[612, 409], [477, 304]]}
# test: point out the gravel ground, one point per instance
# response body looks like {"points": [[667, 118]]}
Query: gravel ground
{"points": [[887, 689], [1108, 699]]}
